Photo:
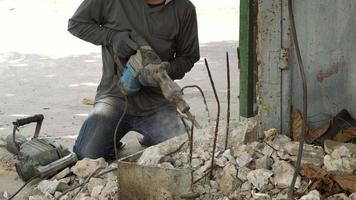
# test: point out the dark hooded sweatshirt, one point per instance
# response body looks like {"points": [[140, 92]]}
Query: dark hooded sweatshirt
{"points": [[170, 29]]}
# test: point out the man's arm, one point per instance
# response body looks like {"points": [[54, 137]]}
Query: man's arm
{"points": [[187, 47], [87, 22]]}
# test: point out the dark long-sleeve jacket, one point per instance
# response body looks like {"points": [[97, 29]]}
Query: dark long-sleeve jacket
{"points": [[170, 29]]}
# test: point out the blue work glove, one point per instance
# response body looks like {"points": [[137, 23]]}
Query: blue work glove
{"points": [[123, 46], [129, 82]]}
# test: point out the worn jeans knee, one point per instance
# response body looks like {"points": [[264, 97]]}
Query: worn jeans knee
{"points": [[96, 134]]}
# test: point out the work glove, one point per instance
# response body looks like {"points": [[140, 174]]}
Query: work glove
{"points": [[123, 46], [129, 82], [149, 75]]}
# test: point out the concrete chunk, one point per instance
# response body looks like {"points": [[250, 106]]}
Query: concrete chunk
{"points": [[283, 175], [47, 186], [87, 166], [259, 178], [312, 195]]}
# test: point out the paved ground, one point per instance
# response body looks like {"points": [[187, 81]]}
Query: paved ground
{"points": [[45, 70]]}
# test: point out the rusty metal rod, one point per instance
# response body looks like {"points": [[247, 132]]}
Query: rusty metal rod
{"points": [[185, 126], [305, 99], [217, 117], [190, 137], [191, 140], [203, 96], [228, 100]]}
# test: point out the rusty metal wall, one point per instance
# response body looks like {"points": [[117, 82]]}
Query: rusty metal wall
{"points": [[327, 37]]}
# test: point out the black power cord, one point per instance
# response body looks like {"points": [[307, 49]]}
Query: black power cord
{"points": [[22, 187], [305, 98], [117, 128]]}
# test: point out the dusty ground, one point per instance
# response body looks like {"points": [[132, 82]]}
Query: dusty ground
{"points": [[44, 69]]}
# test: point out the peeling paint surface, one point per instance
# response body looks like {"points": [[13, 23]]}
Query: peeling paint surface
{"points": [[326, 33]]}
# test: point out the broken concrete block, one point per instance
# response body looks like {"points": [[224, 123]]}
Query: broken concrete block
{"points": [[151, 156], [229, 182], [244, 131], [94, 182], [312, 195], [95, 192], [246, 186], [279, 141], [352, 196], [221, 161], [283, 175], [196, 162], [242, 173], [62, 187], [243, 158], [339, 166], [341, 152], [65, 180], [260, 196], [259, 178], [264, 162], [341, 196], [214, 185], [62, 174], [330, 146], [267, 150], [229, 156], [47, 186], [311, 154], [270, 134], [110, 191], [57, 194], [199, 172], [86, 167]]}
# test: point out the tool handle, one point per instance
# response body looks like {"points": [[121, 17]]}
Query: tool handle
{"points": [[21, 122], [55, 166]]}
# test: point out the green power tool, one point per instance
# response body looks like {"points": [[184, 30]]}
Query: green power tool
{"points": [[37, 157]]}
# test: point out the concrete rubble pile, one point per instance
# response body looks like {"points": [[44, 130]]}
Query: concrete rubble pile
{"points": [[101, 188], [262, 169]]}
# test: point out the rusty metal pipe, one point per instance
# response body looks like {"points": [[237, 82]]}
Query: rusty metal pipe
{"points": [[228, 100], [217, 118]]}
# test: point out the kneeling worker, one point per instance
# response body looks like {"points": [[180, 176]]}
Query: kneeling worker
{"points": [[170, 28]]}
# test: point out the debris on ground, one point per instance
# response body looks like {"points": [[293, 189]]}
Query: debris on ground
{"points": [[261, 169]]}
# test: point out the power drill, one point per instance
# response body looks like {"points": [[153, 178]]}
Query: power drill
{"points": [[145, 61]]}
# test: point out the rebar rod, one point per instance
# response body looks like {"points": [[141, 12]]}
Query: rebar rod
{"points": [[217, 118], [305, 98], [203, 96], [228, 101]]}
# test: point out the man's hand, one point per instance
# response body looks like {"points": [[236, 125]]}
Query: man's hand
{"points": [[150, 74], [123, 45]]}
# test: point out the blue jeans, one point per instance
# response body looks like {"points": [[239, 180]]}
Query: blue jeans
{"points": [[96, 136]]}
